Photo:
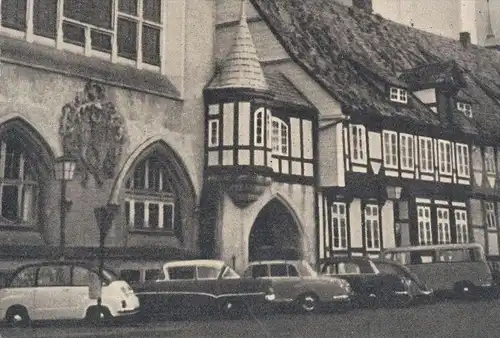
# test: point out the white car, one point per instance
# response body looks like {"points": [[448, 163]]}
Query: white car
{"points": [[64, 290]]}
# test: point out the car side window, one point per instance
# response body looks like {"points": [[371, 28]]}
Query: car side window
{"points": [[390, 269], [83, 276], [181, 272], [130, 276], [206, 272], [279, 270], [153, 274], [25, 278], [259, 271], [54, 275], [292, 271]]}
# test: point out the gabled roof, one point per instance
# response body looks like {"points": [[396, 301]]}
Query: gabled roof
{"points": [[323, 37], [283, 90]]}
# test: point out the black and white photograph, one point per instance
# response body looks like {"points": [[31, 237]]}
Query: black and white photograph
{"points": [[249, 168]]}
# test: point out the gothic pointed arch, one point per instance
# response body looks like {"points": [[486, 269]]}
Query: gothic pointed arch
{"points": [[157, 194], [276, 233], [26, 168]]}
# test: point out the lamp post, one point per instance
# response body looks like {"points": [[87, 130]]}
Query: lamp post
{"points": [[64, 171]]}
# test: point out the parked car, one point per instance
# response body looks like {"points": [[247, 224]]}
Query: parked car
{"points": [[196, 286], [370, 285], [64, 290], [297, 283]]}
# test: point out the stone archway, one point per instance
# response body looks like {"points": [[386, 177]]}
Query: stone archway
{"points": [[275, 234]]}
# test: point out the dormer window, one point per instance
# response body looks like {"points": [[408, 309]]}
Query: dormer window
{"points": [[399, 95], [465, 108]]}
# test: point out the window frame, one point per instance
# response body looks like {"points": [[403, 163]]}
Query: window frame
{"points": [[490, 215], [461, 226], [358, 143], [399, 95], [258, 127], [443, 225], [489, 160], [390, 149], [424, 225], [86, 48], [407, 151], [463, 159], [465, 108], [426, 154], [445, 157], [282, 148], [372, 227], [341, 225]]}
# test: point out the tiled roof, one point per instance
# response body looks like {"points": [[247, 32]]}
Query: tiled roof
{"points": [[241, 68], [283, 90], [324, 37]]}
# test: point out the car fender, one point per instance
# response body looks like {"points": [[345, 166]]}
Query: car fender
{"points": [[324, 289]]}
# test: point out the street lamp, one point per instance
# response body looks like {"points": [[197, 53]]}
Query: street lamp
{"points": [[64, 170]]}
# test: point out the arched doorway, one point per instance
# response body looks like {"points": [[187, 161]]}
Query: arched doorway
{"points": [[275, 234]]}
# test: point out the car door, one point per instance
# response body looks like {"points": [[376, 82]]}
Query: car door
{"points": [[286, 287], [21, 290], [53, 298], [81, 279], [180, 291]]}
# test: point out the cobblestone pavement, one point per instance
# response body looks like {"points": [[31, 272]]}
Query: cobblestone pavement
{"points": [[445, 319]]}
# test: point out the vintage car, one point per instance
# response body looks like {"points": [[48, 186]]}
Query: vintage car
{"points": [[64, 290], [196, 287], [374, 286], [297, 283]]}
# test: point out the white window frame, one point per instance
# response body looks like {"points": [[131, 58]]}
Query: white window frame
{"points": [[445, 158], [443, 225], [213, 133], [463, 158], [398, 95], [338, 224], [258, 127], [465, 108], [489, 160], [407, 151], [461, 225], [372, 227], [391, 153], [426, 154], [87, 49], [490, 214], [424, 225], [358, 143], [280, 137], [268, 129]]}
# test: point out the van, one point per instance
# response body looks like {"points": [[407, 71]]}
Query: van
{"points": [[449, 269]]}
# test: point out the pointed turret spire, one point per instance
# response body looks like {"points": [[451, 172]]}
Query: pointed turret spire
{"points": [[490, 41], [242, 69]]}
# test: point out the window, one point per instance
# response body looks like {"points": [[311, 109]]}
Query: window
{"points": [[461, 226], [207, 272], [230, 274], [150, 201], [24, 278], [426, 157], [279, 137], [181, 272], [406, 149], [343, 268], [338, 226], [491, 221], [268, 129], [130, 276], [399, 95], [465, 108], [279, 270], [489, 160], [258, 127], [18, 184], [390, 149], [424, 225], [422, 257], [259, 271], [213, 133], [372, 227], [135, 26], [154, 274], [83, 276], [54, 275], [444, 157], [292, 271], [358, 144], [443, 223], [453, 255], [463, 159]]}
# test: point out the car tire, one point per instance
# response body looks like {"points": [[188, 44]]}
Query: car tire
{"points": [[308, 303], [17, 316], [98, 315]]}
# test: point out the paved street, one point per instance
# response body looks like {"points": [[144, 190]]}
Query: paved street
{"points": [[450, 319]]}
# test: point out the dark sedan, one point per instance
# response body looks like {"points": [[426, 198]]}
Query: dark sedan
{"points": [[201, 286], [377, 282]]}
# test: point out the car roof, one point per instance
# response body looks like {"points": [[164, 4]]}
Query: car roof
{"points": [[346, 258], [211, 263], [434, 247], [276, 261]]}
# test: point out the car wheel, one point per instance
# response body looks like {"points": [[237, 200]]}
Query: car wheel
{"points": [[98, 315], [17, 317], [308, 303]]}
